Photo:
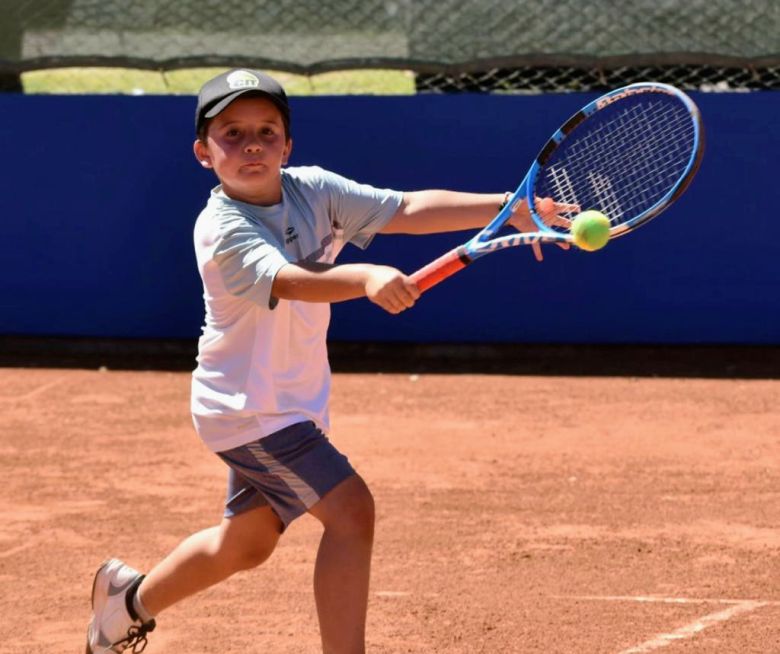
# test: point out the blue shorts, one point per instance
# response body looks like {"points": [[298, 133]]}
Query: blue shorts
{"points": [[290, 470]]}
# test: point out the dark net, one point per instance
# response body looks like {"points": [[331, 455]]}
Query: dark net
{"points": [[447, 45], [541, 79]]}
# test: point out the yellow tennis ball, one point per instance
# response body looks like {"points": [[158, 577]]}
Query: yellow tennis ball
{"points": [[590, 230]]}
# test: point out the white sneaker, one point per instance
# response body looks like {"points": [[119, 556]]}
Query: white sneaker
{"points": [[115, 626]]}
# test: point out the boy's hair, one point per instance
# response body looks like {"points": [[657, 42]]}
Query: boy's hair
{"points": [[216, 94]]}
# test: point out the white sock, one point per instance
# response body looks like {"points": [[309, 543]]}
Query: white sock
{"points": [[140, 609]]}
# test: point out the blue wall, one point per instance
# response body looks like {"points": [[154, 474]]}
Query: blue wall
{"points": [[100, 194]]}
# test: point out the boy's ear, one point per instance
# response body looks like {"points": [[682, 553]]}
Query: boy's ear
{"points": [[287, 152], [202, 153]]}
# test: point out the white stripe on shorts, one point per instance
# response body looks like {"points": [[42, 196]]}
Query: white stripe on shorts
{"points": [[302, 490]]}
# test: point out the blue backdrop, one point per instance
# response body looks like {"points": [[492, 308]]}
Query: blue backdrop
{"points": [[100, 195]]}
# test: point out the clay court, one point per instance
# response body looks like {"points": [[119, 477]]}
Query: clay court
{"points": [[602, 513]]}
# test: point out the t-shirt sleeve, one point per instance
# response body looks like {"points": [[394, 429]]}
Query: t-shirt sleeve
{"points": [[360, 210], [248, 259]]}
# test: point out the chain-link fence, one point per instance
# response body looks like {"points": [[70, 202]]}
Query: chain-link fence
{"points": [[539, 79], [389, 46]]}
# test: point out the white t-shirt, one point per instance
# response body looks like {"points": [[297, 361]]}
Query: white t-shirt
{"points": [[262, 362]]}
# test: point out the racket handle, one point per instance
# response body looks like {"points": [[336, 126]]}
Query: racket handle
{"points": [[438, 270]]}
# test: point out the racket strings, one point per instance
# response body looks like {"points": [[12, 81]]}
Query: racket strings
{"points": [[636, 157], [664, 151], [622, 165], [650, 138]]}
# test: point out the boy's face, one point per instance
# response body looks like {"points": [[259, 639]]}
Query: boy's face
{"points": [[246, 146]]}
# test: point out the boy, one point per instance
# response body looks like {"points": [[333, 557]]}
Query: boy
{"points": [[266, 244]]}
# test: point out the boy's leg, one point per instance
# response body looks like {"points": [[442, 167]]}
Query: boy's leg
{"points": [[207, 557], [124, 602], [342, 571]]}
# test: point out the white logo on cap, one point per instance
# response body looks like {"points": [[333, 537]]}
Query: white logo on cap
{"points": [[242, 79]]}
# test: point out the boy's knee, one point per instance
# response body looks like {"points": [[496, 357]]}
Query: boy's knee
{"points": [[349, 509], [361, 508], [357, 512], [250, 555], [247, 540]]}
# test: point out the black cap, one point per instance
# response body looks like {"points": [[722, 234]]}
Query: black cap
{"points": [[219, 92]]}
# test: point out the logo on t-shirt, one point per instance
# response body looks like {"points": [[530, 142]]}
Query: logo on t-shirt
{"points": [[290, 235]]}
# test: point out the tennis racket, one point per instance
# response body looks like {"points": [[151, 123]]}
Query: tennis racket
{"points": [[628, 154]]}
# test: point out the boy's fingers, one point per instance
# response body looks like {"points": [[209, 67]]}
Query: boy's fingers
{"points": [[406, 299], [396, 302], [545, 206], [389, 306]]}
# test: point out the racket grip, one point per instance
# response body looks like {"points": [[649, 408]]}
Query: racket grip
{"points": [[441, 268]]}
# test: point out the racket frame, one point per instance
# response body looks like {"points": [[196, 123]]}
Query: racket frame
{"points": [[486, 240]]}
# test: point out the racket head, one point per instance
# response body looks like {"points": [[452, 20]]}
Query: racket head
{"points": [[628, 154]]}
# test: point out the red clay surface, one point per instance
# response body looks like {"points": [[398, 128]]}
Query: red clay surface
{"points": [[515, 513]]}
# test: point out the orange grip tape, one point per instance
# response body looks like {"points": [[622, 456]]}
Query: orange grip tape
{"points": [[438, 270]]}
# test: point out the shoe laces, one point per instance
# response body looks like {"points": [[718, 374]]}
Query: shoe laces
{"points": [[136, 637]]}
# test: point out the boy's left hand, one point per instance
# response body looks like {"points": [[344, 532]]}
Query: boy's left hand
{"points": [[551, 212]]}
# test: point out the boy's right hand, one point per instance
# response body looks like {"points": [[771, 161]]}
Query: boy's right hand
{"points": [[390, 289]]}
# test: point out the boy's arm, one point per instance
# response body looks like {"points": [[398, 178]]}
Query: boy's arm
{"points": [[430, 212], [321, 282]]}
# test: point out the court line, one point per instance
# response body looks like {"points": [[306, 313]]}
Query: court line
{"points": [[690, 630], [15, 550], [33, 393], [737, 607], [667, 600]]}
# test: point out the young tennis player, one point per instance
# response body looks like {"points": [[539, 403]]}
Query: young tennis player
{"points": [[266, 243]]}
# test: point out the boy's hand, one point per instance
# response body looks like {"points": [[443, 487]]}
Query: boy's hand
{"points": [[390, 289], [551, 213]]}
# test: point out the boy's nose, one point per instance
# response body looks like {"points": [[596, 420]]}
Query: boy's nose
{"points": [[253, 146]]}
